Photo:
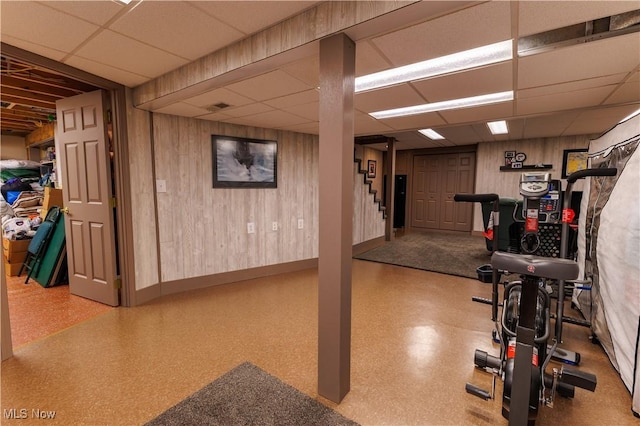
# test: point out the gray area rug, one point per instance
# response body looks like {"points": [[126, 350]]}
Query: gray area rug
{"points": [[248, 395], [447, 253]]}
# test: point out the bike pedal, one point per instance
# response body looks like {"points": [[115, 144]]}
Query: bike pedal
{"points": [[476, 391]]}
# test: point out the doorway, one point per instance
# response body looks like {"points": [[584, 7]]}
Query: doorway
{"points": [[64, 309], [436, 179]]}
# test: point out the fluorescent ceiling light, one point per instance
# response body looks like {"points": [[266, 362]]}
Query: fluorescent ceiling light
{"points": [[633, 114], [431, 134], [491, 98], [485, 55], [498, 127]]}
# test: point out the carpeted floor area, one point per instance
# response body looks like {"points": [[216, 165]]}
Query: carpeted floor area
{"points": [[448, 253], [248, 395]]}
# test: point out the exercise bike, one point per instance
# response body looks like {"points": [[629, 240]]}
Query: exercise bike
{"points": [[524, 326]]}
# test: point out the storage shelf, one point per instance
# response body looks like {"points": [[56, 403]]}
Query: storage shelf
{"points": [[518, 169]]}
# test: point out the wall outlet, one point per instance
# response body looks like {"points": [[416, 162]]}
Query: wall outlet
{"points": [[161, 185], [251, 228], [274, 226], [300, 223]]}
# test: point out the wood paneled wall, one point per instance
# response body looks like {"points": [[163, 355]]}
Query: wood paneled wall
{"points": [[490, 156], [141, 161], [202, 230]]}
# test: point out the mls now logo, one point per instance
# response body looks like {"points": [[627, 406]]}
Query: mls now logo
{"points": [[15, 413], [23, 413]]}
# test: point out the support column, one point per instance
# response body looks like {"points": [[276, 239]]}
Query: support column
{"points": [[337, 80], [390, 190]]}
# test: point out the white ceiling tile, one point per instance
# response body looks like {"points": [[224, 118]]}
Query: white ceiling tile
{"points": [[185, 32], [487, 112], [481, 81], [593, 121], [306, 70], [247, 110], [129, 55], [97, 12], [310, 111], [571, 86], [476, 26], [369, 60], [589, 60], [271, 85], [271, 120], [47, 52], [364, 124], [461, 135], [39, 29], [257, 14], [547, 126], [563, 101], [217, 96], [216, 116], [182, 109], [278, 119], [300, 98], [539, 16], [627, 92], [388, 98], [419, 121], [125, 78]]}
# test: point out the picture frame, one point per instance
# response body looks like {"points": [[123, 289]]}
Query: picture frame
{"points": [[574, 160], [508, 157], [239, 162], [371, 168]]}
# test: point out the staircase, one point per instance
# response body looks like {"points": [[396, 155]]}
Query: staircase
{"points": [[367, 182]]}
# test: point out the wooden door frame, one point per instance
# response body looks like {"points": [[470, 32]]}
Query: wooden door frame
{"points": [[121, 173], [431, 151]]}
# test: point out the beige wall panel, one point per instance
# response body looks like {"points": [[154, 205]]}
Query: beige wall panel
{"points": [[204, 230], [142, 199], [490, 156]]}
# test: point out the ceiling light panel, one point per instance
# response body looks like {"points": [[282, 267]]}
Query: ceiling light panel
{"points": [[485, 55], [431, 134], [498, 127], [473, 101]]}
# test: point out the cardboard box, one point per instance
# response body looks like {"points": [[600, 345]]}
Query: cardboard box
{"points": [[11, 269], [52, 197], [15, 251]]}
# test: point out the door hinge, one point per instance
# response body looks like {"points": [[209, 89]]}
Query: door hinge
{"points": [[112, 202], [117, 283]]}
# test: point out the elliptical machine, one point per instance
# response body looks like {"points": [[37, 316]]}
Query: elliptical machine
{"points": [[524, 327]]}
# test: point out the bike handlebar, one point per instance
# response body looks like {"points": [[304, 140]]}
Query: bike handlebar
{"points": [[591, 172], [475, 198]]}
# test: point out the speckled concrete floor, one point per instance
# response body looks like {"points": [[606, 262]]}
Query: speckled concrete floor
{"points": [[37, 312], [414, 334]]}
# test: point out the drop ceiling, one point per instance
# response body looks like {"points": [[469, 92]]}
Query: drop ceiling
{"points": [[583, 86]]}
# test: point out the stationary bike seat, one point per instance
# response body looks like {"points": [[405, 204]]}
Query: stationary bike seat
{"points": [[537, 266]]}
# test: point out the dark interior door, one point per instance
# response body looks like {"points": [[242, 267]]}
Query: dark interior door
{"points": [[400, 200]]}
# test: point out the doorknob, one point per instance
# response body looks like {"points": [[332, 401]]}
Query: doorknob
{"points": [[65, 210]]}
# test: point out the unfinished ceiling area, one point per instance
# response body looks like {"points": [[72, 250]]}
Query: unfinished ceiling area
{"points": [[574, 70]]}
